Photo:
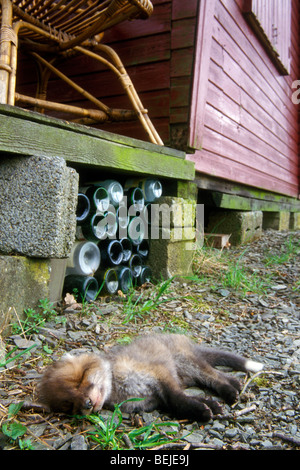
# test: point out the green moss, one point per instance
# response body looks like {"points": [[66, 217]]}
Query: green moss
{"points": [[37, 270]]}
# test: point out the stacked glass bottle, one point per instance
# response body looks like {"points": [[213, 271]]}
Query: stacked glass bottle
{"points": [[111, 248]]}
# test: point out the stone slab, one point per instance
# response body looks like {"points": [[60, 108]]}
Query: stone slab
{"points": [[276, 220], [295, 221], [24, 281], [38, 199], [173, 212], [244, 227], [170, 259]]}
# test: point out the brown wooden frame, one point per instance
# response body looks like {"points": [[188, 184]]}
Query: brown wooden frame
{"points": [[58, 27]]}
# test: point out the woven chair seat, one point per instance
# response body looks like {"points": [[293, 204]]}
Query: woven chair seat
{"points": [[57, 27], [73, 21]]}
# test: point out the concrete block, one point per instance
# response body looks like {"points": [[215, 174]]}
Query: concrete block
{"points": [[173, 212], [174, 235], [276, 220], [295, 221], [38, 199], [24, 281], [244, 227], [170, 259]]}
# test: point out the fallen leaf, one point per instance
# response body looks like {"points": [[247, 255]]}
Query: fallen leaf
{"points": [[121, 294], [70, 299]]}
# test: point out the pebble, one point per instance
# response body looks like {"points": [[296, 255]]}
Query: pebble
{"points": [[78, 443]]}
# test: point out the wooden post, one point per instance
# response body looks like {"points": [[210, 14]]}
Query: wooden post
{"points": [[5, 49]]}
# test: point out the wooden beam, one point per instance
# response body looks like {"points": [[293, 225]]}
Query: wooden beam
{"points": [[267, 200], [27, 133], [231, 201]]}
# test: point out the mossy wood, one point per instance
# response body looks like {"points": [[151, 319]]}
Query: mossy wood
{"points": [[259, 201], [28, 133]]}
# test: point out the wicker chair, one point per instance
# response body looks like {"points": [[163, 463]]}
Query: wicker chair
{"points": [[52, 29]]}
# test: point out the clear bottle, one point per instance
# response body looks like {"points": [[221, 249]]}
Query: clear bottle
{"points": [[143, 249], [145, 276], [146, 213], [111, 224], [85, 287], [135, 199], [136, 230], [114, 189], [93, 229], [111, 252], [152, 188], [98, 196], [107, 280], [122, 217], [84, 259], [83, 208], [135, 264], [124, 278], [127, 249]]}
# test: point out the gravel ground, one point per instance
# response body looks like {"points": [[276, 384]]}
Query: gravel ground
{"points": [[246, 300]]}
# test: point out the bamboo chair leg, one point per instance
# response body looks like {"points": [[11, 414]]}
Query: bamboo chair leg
{"points": [[80, 90], [102, 115], [6, 38], [118, 68]]}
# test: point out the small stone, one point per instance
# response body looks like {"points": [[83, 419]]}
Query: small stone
{"points": [[279, 287], [194, 437], [267, 444], [217, 426], [78, 443], [231, 433], [224, 292], [23, 343]]}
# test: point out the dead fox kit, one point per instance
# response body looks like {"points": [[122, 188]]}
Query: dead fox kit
{"points": [[156, 368]]}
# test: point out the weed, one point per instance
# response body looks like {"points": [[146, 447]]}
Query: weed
{"points": [[35, 320], [8, 359], [109, 435], [216, 266], [106, 432], [237, 278], [135, 308], [15, 430], [47, 308], [290, 249], [152, 435], [262, 382]]}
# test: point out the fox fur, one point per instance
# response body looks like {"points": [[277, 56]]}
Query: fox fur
{"points": [[156, 368]]}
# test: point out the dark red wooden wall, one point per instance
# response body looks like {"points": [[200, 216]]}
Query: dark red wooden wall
{"points": [[250, 132], [219, 97]]}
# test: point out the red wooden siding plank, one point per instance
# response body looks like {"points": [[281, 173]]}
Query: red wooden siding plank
{"points": [[222, 167], [181, 9], [201, 70], [260, 155], [252, 100]]}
